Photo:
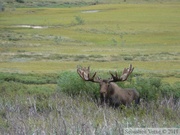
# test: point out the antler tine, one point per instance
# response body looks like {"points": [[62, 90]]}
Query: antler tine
{"points": [[113, 76], [130, 68], [84, 73], [126, 72]]}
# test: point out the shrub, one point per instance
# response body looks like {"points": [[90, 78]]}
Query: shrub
{"points": [[176, 90], [166, 90], [71, 84], [20, 1], [149, 88], [79, 20], [2, 8], [128, 58], [153, 88], [28, 78]]}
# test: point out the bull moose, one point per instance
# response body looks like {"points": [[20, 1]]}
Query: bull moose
{"points": [[110, 92]]}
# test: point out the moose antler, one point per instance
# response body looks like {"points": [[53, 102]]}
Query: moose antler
{"points": [[84, 73], [126, 72]]}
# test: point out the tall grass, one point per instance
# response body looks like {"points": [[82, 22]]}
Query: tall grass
{"points": [[61, 114]]}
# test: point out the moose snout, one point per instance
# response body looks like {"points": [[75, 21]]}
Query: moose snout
{"points": [[103, 94], [103, 98]]}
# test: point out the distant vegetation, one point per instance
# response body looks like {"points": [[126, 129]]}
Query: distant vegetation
{"points": [[42, 42], [72, 3]]}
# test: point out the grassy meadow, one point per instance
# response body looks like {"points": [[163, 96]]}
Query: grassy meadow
{"points": [[41, 44]]}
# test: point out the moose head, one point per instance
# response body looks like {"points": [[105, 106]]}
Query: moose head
{"points": [[110, 92]]}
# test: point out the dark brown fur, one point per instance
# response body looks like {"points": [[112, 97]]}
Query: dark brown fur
{"points": [[113, 95]]}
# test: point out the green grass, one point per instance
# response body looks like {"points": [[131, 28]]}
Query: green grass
{"points": [[38, 66]]}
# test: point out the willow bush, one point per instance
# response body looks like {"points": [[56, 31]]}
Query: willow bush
{"points": [[150, 88], [71, 84]]}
